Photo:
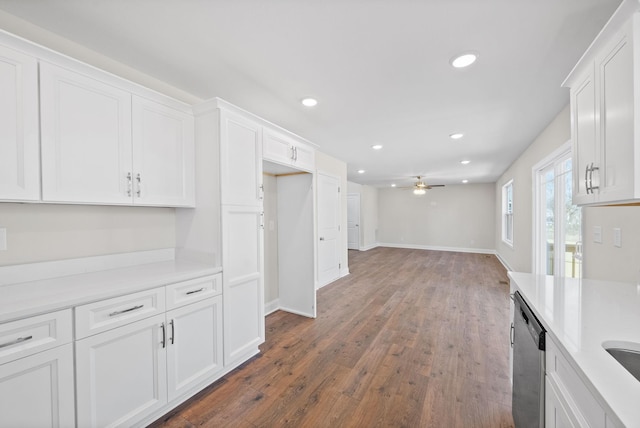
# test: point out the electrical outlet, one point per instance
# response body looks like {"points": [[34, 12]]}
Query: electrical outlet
{"points": [[3, 239], [617, 237], [597, 234]]}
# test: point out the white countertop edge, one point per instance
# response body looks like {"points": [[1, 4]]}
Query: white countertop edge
{"points": [[25, 299], [617, 390]]}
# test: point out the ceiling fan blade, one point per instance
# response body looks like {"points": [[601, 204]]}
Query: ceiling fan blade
{"points": [[436, 185]]}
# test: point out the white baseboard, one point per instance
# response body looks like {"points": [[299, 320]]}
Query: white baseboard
{"points": [[436, 248], [503, 261], [344, 272], [272, 306], [369, 247]]}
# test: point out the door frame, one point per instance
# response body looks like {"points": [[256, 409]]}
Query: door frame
{"points": [[537, 214], [358, 197]]}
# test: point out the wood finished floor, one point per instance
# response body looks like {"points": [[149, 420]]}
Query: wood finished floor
{"points": [[411, 338]]}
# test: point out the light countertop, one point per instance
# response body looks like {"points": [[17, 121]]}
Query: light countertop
{"points": [[580, 315], [25, 299]]}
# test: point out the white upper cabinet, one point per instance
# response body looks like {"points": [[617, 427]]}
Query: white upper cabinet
{"points": [[240, 160], [163, 155], [103, 145], [280, 148], [19, 157], [86, 139], [605, 131]]}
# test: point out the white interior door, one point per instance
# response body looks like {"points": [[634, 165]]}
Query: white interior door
{"points": [[353, 221], [297, 290], [328, 229]]}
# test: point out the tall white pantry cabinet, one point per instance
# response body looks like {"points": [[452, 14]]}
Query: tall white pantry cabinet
{"points": [[229, 180]]}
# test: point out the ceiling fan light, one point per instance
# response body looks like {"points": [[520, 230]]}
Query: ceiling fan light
{"points": [[419, 191]]}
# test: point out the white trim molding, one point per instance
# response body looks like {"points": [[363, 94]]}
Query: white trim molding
{"points": [[503, 261], [369, 247], [437, 248], [271, 307]]}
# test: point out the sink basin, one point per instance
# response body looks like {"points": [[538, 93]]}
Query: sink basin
{"points": [[629, 358]]}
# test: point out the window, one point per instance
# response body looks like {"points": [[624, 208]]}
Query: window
{"points": [[507, 213]]}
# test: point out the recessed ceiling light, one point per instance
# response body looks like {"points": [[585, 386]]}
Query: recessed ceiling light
{"points": [[465, 181], [309, 102], [464, 60], [393, 185], [376, 146], [361, 171], [465, 162], [456, 135]]}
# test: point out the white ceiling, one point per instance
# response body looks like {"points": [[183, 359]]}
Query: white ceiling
{"points": [[379, 69]]}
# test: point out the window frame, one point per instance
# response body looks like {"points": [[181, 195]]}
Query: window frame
{"points": [[507, 213]]}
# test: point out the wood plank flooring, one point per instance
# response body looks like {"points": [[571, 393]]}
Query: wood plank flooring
{"points": [[411, 338]]}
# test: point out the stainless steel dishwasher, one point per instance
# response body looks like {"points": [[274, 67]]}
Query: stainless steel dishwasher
{"points": [[528, 341]]}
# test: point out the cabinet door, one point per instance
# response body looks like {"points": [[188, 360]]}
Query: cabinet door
{"points": [[86, 138], [555, 413], [584, 124], [304, 157], [277, 148], [242, 282], [121, 374], [163, 155], [240, 161], [37, 391], [194, 349], [615, 74], [19, 151]]}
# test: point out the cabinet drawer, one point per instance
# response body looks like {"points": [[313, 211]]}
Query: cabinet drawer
{"points": [[186, 292], [579, 398], [107, 314], [31, 335]]}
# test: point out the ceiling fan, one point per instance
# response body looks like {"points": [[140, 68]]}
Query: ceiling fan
{"points": [[420, 187]]}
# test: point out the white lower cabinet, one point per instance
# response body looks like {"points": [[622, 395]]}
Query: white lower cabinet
{"points": [[556, 414], [121, 374], [37, 391], [131, 372]]}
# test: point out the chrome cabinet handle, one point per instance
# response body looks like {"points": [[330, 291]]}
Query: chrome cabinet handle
{"points": [[164, 335], [295, 151], [586, 175], [593, 168], [261, 191], [173, 331], [16, 341], [511, 334], [112, 314], [139, 182], [194, 291], [262, 219], [129, 184]]}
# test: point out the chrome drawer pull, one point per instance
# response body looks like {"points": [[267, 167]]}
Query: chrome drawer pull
{"points": [[194, 291], [15, 342], [125, 310]]}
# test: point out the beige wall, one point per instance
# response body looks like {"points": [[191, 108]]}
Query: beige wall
{"points": [[43, 232], [455, 217], [604, 261], [519, 257], [338, 168], [368, 214]]}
